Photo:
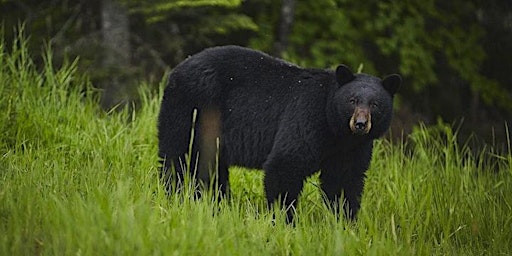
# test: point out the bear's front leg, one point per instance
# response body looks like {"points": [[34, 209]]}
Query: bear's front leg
{"points": [[351, 185], [346, 175], [286, 168], [294, 156], [284, 187]]}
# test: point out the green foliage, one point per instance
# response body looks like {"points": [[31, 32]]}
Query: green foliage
{"points": [[157, 11], [416, 31], [220, 24], [323, 36], [76, 181], [265, 14], [234, 22]]}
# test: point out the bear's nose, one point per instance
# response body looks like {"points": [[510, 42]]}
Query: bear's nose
{"points": [[360, 125]]}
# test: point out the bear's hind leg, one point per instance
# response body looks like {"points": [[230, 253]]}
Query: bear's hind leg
{"points": [[174, 136], [222, 179]]}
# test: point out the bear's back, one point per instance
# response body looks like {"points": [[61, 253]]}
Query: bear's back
{"points": [[234, 65]]}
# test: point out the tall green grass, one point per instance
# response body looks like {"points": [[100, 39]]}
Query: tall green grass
{"points": [[77, 181]]}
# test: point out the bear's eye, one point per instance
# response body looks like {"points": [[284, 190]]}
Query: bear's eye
{"points": [[353, 101], [374, 105]]}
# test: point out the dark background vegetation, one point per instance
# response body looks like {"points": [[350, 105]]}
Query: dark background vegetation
{"points": [[455, 56]]}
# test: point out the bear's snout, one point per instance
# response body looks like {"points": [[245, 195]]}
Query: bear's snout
{"points": [[360, 123]]}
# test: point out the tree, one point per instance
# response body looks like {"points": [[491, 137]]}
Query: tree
{"points": [[117, 51], [285, 25]]}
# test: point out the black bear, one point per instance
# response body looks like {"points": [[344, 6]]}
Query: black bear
{"points": [[257, 111]]}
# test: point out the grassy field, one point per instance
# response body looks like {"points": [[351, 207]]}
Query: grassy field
{"points": [[77, 181]]}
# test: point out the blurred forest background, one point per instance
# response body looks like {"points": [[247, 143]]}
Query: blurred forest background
{"points": [[455, 56]]}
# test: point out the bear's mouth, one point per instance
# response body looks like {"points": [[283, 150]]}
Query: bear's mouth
{"points": [[360, 122]]}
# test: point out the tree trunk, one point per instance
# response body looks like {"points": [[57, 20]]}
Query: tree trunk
{"points": [[285, 26], [116, 55]]}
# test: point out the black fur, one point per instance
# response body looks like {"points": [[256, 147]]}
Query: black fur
{"points": [[272, 115]]}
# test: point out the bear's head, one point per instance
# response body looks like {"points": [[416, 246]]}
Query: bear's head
{"points": [[364, 102]]}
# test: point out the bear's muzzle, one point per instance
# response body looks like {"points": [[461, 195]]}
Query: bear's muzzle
{"points": [[361, 121]]}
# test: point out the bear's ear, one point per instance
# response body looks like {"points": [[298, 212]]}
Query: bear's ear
{"points": [[392, 83], [344, 75]]}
